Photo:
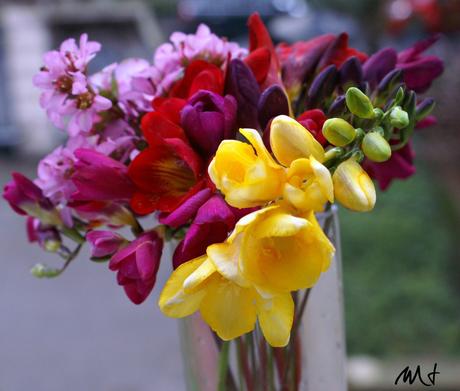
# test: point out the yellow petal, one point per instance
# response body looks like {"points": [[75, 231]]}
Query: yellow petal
{"points": [[324, 178], [225, 257], [193, 281], [280, 224], [283, 263], [275, 316], [325, 247], [290, 141], [228, 308], [248, 219], [254, 138], [174, 302]]}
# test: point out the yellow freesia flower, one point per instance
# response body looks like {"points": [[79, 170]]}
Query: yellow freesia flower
{"points": [[352, 186], [250, 176], [283, 252], [309, 185], [230, 310], [247, 175], [290, 141]]}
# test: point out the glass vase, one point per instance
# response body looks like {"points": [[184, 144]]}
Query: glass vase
{"points": [[314, 359]]}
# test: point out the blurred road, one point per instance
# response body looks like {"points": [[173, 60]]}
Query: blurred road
{"points": [[77, 332]]}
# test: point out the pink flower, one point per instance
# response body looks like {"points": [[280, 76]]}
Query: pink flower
{"points": [[134, 78], [137, 265], [99, 178], [83, 112], [65, 86], [104, 243], [171, 58]]}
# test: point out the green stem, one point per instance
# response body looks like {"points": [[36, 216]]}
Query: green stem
{"points": [[73, 234], [271, 375], [223, 365]]}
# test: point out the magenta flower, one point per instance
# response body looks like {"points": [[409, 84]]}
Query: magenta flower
{"points": [[137, 265], [208, 119], [104, 243], [99, 178], [420, 70], [26, 198], [399, 166], [187, 210], [213, 221]]}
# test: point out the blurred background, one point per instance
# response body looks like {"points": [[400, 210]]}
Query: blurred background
{"points": [[401, 262]]}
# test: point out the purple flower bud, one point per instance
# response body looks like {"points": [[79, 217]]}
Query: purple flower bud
{"points": [[242, 84], [337, 107], [104, 243], [137, 265], [322, 86], [390, 80], [351, 72], [273, 101], [379, 65], [208, 119]]}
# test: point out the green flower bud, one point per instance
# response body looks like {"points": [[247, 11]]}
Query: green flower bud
{"points": [[338, 132], [359, 104], [52, 245], [333, 153], [399, 118], [375, 147], [43, 271]]}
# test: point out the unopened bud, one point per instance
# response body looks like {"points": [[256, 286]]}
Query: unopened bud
{"points": [[375, 147], [338, 132], [43, 271], [352, 186], [333, 153], [359, 103], [399, 118], [52, 245], [424, 108]]}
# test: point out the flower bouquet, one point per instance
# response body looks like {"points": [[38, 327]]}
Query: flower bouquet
{"points": [[234, 156]]}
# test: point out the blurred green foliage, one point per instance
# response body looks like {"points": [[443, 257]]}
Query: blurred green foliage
{"points": [[402, 272]]}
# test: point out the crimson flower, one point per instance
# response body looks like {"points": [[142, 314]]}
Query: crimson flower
{"points": [[313, 121], [199, 75]]}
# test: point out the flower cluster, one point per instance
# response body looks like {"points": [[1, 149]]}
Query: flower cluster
{"points": [[229, 153]]}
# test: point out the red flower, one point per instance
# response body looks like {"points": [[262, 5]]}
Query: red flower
{"points": [[262, 58], [166, 174], [199, 75], [313, 121], [169, 107]]}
